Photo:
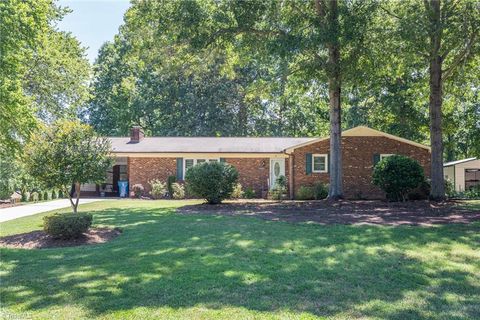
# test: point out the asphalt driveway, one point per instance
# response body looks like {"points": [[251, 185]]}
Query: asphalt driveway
{"points": [[34, 208]]}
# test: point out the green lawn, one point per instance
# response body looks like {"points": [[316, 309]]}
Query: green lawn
{"points": [[172, 266]]}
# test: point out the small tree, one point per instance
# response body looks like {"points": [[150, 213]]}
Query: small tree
{"points": [[68, 153], [213, 181], [397, 176]]}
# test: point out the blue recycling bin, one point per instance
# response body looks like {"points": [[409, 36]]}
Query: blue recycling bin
{"points": [[123, 188]]}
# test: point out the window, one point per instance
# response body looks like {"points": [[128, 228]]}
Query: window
{"points": [[188, 163], [385, 155], [319, 163]]}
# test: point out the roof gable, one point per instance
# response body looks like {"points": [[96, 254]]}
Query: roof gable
{"points": [[363, 131]]}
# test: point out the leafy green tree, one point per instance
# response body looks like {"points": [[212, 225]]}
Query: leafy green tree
{"points": [[68, 153], [22, 24], [43, 72], [57, 80], [443, 35], [318, 42]]}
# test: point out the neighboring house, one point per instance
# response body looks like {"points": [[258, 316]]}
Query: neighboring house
{"points": [[464, 174], [260, 161]]}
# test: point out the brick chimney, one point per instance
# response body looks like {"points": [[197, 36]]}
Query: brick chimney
{"points": [[136, 134]]}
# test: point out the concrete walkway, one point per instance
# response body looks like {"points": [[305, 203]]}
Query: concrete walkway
{"points": [[34, 208]]}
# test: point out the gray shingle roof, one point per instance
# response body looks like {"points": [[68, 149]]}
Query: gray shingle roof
{"points": [[206, 144]]}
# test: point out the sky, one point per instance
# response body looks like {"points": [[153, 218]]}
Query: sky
{"points": [[93, 22]]}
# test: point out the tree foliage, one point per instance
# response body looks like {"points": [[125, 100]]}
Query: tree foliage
{"points": [[43, 72], [68, 153]]}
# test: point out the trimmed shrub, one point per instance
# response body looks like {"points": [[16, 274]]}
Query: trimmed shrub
{"points": [[40, 195], [159, 188], [320, 191], [47, 195], [397, 176], [249, 193], [305, 193], [34, 196], [237, 192], [170, 181], [212, 181], [138, 190], [60, 194], [67, 225], [178, 191], [54, 194]]}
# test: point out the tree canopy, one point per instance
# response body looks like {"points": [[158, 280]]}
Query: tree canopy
{"points": [[43, 72], [229, 69], [68, 153]]}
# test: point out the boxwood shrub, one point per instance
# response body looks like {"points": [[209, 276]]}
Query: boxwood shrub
{"points": [[212, 181], [67, 225], [398, 175]]}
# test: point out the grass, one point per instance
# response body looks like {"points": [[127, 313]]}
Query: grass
{"points": [[172, 266], [471, 204]]}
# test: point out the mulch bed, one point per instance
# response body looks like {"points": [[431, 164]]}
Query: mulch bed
{"points": [[40, 240], [344, 212]]}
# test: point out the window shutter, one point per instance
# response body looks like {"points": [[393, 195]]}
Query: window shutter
{"points": [[179, 169], [222, 159], [376, 159], [308, 163], [328, 162]]}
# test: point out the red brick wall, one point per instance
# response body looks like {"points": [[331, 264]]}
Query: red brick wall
{"points": [[142, 170], [253, 172], [357, 157]]}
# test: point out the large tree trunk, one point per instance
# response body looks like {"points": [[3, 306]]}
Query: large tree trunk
{"points": [[436, 96], [436, 174], [334, 91]]}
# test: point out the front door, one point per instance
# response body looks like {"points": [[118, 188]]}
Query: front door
{"points": [[277, 169]]}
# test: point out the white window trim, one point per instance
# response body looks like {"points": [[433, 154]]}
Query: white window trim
{"points": [[195, 163], [313, 162], [385, 155]]}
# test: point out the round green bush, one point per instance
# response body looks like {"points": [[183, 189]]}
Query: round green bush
{"points": [[397, 176], [213, 181], [67, 225]]}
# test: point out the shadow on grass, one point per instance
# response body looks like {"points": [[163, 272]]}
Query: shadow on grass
{"points": [[167, 260]]}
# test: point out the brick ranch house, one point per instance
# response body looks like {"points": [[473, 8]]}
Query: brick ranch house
{"points": [[259, 161]]}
